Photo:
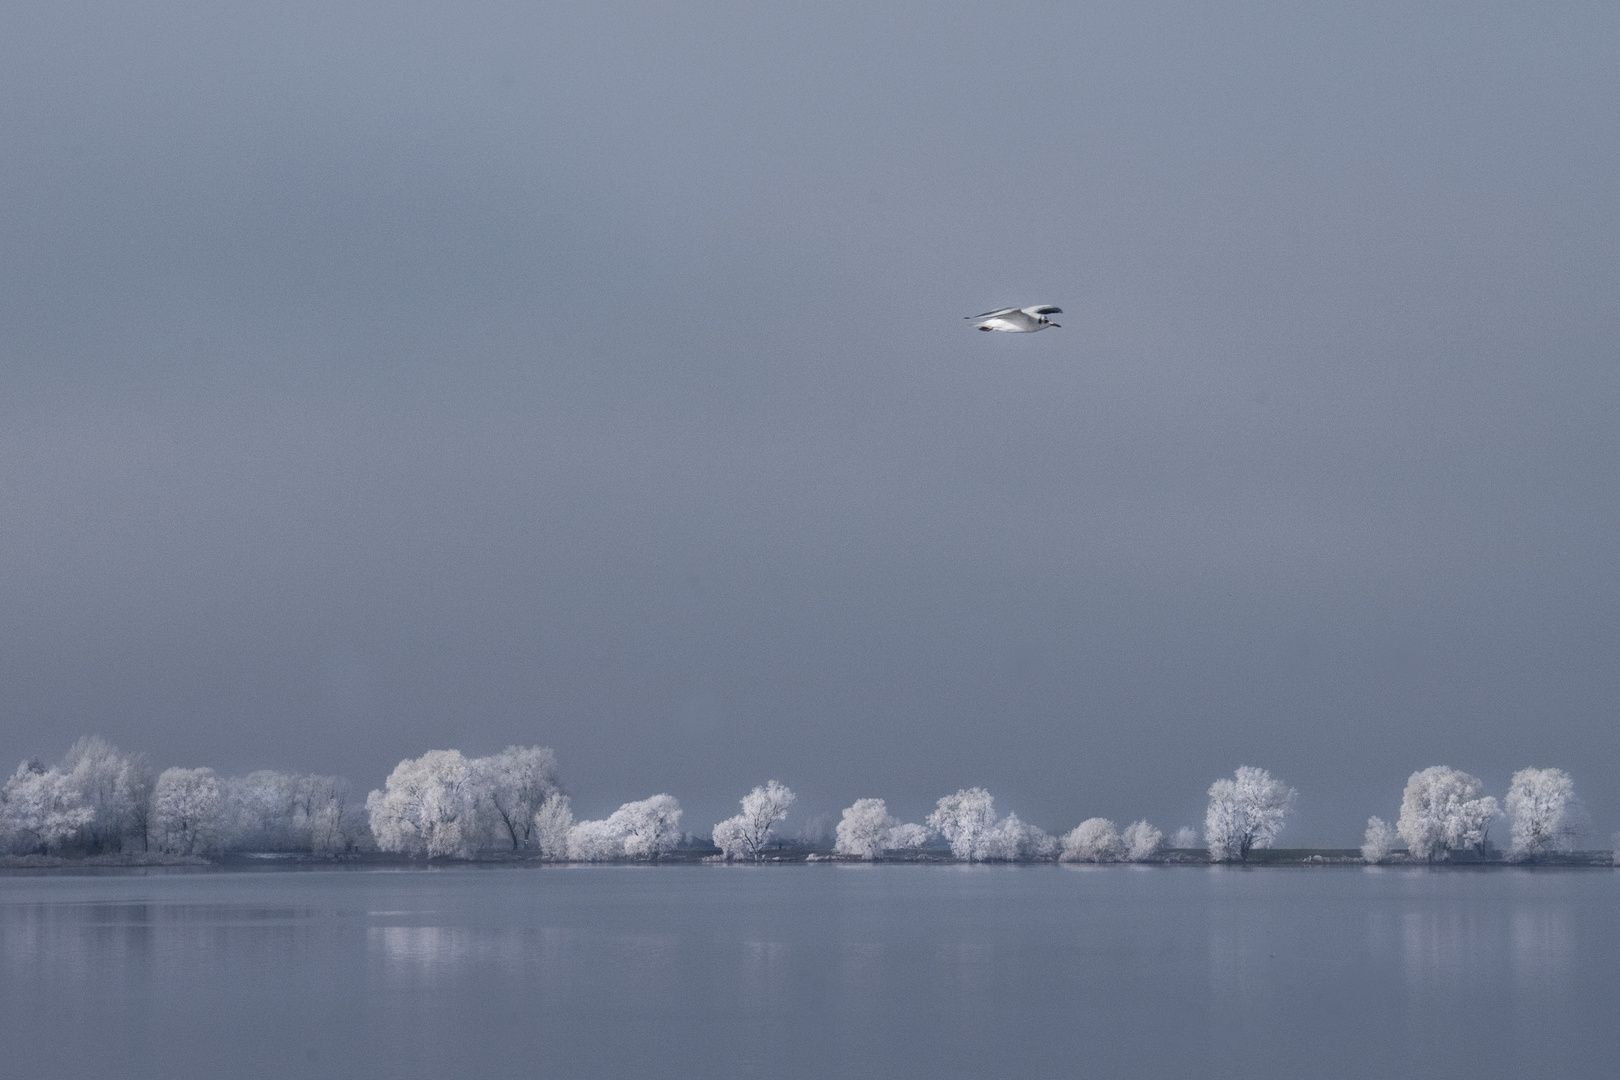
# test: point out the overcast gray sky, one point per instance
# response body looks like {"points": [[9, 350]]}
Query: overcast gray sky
{"points": [[379, 378]]}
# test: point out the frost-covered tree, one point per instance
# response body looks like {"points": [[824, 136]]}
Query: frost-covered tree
{"points": [[1093, 840], [1378, 841], [649, 827], [747, 835], [1542, 812], [260, 809], [551, 825], [1186, 838], [1142, 841], [40, 809], [1443, 810], [142, 790], [426, 807], [1245, 812], [509, 789], [965, 820], [189, 812], [109, 783], [864, 829], [329, 818]]}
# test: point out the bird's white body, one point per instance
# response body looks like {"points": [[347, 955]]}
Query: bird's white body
{"points": [[1013, 320]]}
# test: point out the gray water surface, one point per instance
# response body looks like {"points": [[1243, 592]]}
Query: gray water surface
{"points": [[812, 971]]}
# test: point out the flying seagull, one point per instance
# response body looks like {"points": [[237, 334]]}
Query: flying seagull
{"points": [[1017, 320]]}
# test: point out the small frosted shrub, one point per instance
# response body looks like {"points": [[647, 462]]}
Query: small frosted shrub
{"points": [[1142, 841], [595, 841], [1012, 840], [1380, 838], [906, 837], [1094, 840]]}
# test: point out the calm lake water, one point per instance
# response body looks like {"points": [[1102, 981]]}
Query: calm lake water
{"points": [[812, 971]]}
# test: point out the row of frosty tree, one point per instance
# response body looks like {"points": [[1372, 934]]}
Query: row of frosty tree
{"points": [[1443, 811], [443, 803], [431, 806], [98, 800]]}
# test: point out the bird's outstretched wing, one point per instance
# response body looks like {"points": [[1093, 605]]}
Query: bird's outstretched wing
{"points": [[993, 314], [1042, 309]]}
